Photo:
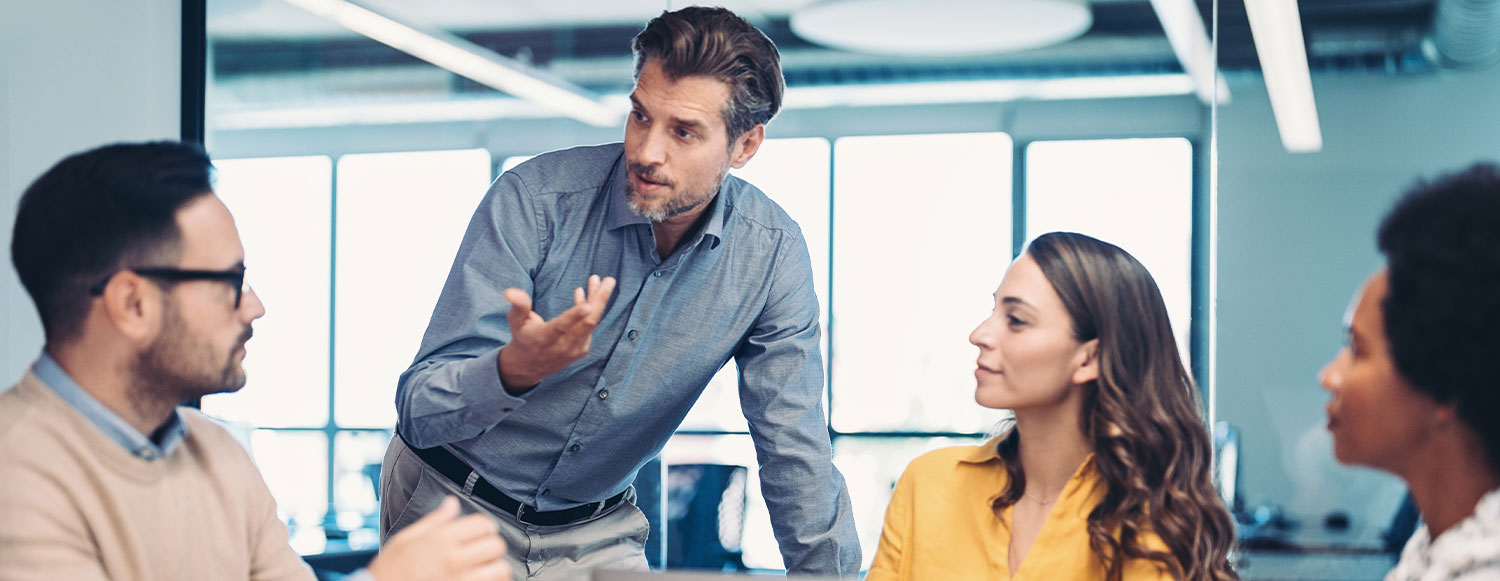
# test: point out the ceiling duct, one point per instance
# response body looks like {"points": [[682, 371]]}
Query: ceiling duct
{"points": [[1465, 34]]}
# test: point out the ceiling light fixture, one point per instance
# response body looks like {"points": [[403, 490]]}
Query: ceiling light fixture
{"points": [[941, 27], [1277, 28], [1183, 23], [808, 97], [468, 60]]}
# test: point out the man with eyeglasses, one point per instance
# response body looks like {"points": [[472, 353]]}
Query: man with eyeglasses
{"points": [[138, 273]]}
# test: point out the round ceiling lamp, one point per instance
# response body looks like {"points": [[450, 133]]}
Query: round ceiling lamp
{"points": [[941, 27]]}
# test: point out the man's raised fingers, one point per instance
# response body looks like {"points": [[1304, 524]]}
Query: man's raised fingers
{"points": [[599, 296], [520, 307]]}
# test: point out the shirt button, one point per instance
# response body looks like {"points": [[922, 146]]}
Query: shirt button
{"points": [[633, 334], [656, 274], [603, 394], [574, 448], [546, 491]]}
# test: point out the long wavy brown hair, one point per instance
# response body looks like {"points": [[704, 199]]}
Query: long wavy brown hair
{"points": [[1142, 416]]}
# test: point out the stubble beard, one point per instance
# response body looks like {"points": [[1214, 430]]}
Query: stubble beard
{"points": [[678, 205], [176, 367]]}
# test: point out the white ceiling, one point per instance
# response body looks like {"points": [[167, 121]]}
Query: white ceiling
{"points": [[250, 19]]}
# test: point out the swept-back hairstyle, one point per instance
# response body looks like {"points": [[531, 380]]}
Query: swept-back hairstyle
{"points": [[717, 43], [1142, 416], [97, 212], [1442, 250]]}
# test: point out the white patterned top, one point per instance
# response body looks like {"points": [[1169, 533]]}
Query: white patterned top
{"points": [[1470, 551]]}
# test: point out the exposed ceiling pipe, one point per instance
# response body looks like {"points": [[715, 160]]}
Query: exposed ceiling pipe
{"points": [[1465, 34]]}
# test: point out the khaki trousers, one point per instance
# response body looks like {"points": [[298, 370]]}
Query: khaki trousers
{"points": [[614, 539]]}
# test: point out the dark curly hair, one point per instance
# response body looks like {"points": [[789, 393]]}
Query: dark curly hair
{"points": [[1142, 416], [1442, 312], [717, 43]]}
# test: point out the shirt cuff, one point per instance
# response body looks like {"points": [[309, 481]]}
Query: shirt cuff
{"points": [[481, 389]]}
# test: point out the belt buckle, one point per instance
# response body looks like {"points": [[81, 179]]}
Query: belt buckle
{"points": [[521, 512]]}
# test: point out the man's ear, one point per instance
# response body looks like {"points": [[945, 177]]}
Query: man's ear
{"points": [[133, 306], [1088, 364], [747, 145]]}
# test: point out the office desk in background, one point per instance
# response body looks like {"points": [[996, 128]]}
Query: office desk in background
{"points": [[1283, 566], [1315, 554]]}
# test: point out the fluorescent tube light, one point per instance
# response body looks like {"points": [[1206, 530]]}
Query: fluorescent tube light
{"points": [[814, 97], [1183, 24], [1277, 28], [469, 60]]}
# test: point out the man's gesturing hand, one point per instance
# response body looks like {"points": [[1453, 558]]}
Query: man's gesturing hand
{"points": [[540, 348]]}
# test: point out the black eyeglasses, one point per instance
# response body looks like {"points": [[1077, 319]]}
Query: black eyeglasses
{"points": [[234, 276]]}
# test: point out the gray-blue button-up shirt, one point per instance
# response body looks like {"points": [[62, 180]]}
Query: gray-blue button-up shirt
{"points": [[741, 288]]}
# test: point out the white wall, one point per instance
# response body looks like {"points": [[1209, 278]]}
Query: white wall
{"points": [[1297, 237], [78, 73]]}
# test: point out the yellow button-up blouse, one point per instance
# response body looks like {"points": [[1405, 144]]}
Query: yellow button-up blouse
{"points": [[940, 525]]}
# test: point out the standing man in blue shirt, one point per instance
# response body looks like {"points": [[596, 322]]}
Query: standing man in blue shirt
{"points": [[537, 399]]}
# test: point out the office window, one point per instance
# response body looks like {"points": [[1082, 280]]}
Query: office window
{"points": [[282, 209], [921, 237], [349, 273], [871, 467], [293, 463], [400, 219], [908, 236], [794, 173], [1136, 194], [357, 454]]}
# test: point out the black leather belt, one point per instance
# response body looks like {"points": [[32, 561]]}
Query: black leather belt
{"points": [[451, 467]]}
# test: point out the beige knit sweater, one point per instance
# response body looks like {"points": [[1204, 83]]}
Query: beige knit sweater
{"points": [[74, 504]]}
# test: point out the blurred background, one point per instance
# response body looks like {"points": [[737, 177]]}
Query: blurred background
{"points": [[1244, 157]]}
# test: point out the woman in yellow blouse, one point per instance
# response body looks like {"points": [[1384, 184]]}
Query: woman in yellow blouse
{"points": [[1104, 472]]}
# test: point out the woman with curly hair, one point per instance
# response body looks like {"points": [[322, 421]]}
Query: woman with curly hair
{"points": [[1104, 473], [1414, 388]]}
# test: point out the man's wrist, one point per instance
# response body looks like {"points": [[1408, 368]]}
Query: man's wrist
{"points": [[514, 381]]}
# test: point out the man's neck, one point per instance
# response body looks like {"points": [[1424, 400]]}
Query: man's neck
{"points": [[109, 380]]}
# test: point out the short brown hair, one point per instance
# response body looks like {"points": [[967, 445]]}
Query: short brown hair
{"points": [[714, 42]]}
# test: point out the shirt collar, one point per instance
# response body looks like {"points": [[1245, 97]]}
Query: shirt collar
{"points": [[986, 452], [620, 215], [170, 433]]}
